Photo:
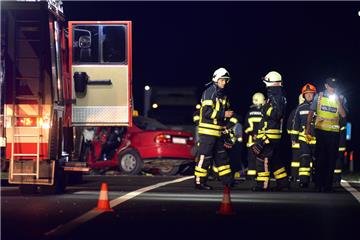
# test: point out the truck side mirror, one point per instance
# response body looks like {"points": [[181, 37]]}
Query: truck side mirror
{"points": [[84, 42]]}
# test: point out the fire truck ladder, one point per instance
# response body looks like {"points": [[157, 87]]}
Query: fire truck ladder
{"points": [[22, 40], [17, 136]]}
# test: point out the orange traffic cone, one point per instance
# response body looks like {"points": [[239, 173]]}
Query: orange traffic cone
{"points": [[103, 203], [225, 206]]}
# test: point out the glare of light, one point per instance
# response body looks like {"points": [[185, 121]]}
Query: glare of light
{"points": [[198, 106], [332, 97], [147, 88], [155, 105], [359, 13]]}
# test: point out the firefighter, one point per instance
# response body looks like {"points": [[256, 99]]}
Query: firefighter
{"points": [[307, 147], [295, 146], [340, 160], [233, 142], [269, 136], [214, 110], [252, 120], [329, 107]]}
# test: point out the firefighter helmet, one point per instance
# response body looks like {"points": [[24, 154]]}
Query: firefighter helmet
{"points": [[308, 88], [221, 73], [273, 78], [301, 99], [258, 99]]}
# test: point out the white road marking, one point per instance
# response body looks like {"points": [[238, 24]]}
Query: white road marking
{"points": [[351, 190], [65, 228]]}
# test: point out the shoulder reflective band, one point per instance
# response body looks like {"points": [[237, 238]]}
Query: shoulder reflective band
{"points": [[207, 103]]}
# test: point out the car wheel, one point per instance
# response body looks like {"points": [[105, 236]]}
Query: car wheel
{"points": [[169, 170], [130, 162]]}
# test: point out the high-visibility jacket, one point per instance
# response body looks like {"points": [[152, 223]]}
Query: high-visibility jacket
{"points": [[299, 124], [251, 125], [327, 112], [212, 112], [270, 127]]}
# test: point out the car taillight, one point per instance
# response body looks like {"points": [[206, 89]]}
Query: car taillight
{"points": [[190, 141], [26, 121], [163, 138]]}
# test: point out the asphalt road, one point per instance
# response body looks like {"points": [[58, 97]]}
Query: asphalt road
{"points": [[169, 207]]}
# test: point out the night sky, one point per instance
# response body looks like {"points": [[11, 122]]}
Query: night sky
{"points": [[182, 43]]}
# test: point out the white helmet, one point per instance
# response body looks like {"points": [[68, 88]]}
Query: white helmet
{"points": [[258, 99], [273, 78], [220, 73], [301, 99]]}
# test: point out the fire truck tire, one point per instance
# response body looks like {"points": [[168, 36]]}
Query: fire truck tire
{"points": [[169, 170], [130, 162], [28, 189], [74, 178], [59, 183]]}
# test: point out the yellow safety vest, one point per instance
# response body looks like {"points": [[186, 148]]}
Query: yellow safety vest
{"points": [[327, 118]]}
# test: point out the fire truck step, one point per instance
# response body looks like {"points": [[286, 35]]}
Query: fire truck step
{"points": [[25, 155], [24, 174], [22, 135]]}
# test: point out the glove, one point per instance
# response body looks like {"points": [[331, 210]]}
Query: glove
{"points": [[309, 138], [257, 148]]}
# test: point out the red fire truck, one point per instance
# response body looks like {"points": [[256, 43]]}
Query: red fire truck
{"points": [[56, 81]]}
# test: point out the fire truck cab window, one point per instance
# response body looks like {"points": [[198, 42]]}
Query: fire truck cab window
{"points": [[99, 44], [114, 43]]}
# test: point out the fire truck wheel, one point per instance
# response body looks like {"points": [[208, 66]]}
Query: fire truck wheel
{"points": [[130, 162], [168, 170], [28, 189], [59, 183], [74, 178]]}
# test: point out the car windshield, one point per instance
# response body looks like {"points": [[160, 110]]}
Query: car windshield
{"points": [[145, 123]]}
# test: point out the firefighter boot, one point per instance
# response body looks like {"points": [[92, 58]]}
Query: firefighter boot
{"points": [[203, 186]]}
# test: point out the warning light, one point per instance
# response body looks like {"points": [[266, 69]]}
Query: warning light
{"points": [[351, 156], [348, 131]]}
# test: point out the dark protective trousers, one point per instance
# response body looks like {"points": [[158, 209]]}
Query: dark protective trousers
{"points": [[295, 163], [326, 153], [306, 154], [269, 161], [338, 167], [251, 159], [212, 151]]}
